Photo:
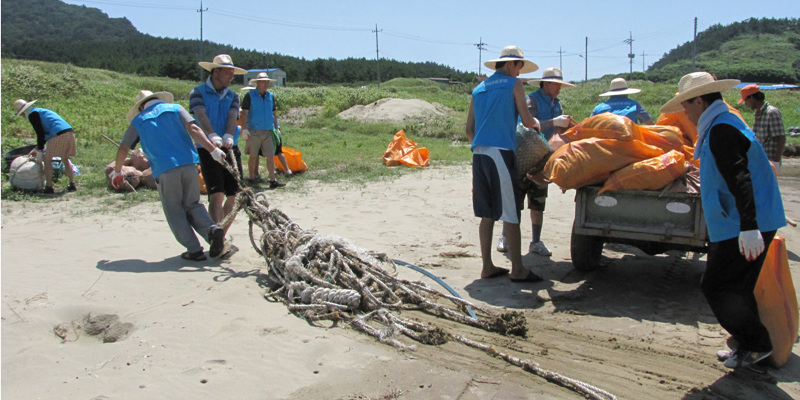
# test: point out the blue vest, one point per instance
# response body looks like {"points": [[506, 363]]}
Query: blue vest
{"points": [[217, 107], [619, 105], [495, 112], [547, 108], [719, 205], [164, 139], [260, 116], [52, 123]]}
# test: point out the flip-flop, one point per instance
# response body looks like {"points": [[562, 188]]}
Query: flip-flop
{"points": [[498, 273], [196, 256], [530, 278]]}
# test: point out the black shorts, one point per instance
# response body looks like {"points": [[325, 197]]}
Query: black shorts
{"points": [[217, 177], [537, 197]]}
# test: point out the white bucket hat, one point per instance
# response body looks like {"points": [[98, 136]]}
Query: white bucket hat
{"points": [[143, 97], [551, 74], [262, 76], [513, 53], [222, 61], [619, 86], [21, 105], [696, 84]]}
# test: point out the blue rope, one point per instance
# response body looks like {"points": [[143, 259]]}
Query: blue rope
{"points": [[438, 280]]}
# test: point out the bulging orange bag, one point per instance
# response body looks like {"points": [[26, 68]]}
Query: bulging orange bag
{"points": [[294, 158], [604, 126], [650, 174], [404, 151], [589, 161]]}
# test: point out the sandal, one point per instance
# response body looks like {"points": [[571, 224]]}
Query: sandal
{"points": [[196, 256]]}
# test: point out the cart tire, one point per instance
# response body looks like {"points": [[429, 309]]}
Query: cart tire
{"points": [[585, 251]]}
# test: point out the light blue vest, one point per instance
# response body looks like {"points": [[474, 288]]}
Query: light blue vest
{"points": [[619, 105], [260, 116], [719, 205], [52, 123], [217, 108], [164, 139], [547, 108], [495, 112]]}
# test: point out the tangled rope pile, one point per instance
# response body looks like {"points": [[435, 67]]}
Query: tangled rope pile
{"points": [[328, 278]]}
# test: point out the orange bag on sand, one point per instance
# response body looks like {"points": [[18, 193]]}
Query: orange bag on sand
{"points": [[201, 180], [404, 151], [777, 302], [589, 161], [650, 174], [604, 126], [294, 158]]}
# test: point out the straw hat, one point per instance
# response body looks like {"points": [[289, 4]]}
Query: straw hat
{"points": [[619, 86], [696, 84], [222, 61], [21, 105], [748, 91], [513, 53], [551, 74], [247, 88], [262, 77], [143, 97]]}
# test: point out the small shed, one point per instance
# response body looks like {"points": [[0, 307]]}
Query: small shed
{"points": [[275, 73]]}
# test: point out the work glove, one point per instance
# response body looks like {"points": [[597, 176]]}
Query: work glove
{"points": [[214, 138], [117, 178], [561, 121], [218, 155], [227, 140], [38, 155], [751, 244], [245, 134], [777, 165], [278, 131]]}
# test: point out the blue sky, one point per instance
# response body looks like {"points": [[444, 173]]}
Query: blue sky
{"points": [[446, 32]]}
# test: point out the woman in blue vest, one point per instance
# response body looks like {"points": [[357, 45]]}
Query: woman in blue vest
{"points": [[52, 130], [742, 207]]}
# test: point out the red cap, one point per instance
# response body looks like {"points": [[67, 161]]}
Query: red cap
{"points": [[747, 91]]}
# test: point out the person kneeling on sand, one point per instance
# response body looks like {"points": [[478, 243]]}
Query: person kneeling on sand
{"points": [[165, 131]]}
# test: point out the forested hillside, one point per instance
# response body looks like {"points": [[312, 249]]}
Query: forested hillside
{"points": [[50, 30], [755, 50]]}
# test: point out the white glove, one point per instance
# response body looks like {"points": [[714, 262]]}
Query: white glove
{"points": [[751, 244], [777, 165], [245, 134], [278, 131], [38, 155], [227, 140], [218, 155], [117, 178], [214, 138], [561, 121]]}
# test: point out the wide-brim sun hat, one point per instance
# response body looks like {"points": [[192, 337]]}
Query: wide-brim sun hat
{"points": [[247, 88], [696, 84], [143, 97], [262, 77], [513, 53], [222, 61], [619, 86], [20, 106], [551, 74]]}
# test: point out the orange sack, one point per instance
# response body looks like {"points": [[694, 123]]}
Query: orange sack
{"points": [[293, 157], [404, 151], [650, 174], [590, 161], [777, 302], [604, 126]]}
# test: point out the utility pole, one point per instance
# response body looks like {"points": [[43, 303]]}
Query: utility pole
{"points": [[694, 45], [377, 55], [480, 45], [629, 41], [201, 11], [643, 61], [586, 60], [559, 58]]}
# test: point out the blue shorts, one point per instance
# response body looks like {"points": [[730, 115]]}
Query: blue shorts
{"points": [[494, 190]]}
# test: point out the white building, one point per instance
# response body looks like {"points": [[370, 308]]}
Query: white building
{"points": [[275, 73]]}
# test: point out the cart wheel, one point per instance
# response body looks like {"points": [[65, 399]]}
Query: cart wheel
{"points": [[585, 251]]}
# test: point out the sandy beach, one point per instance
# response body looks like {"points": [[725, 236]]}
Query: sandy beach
{"points": [[638, 327]]}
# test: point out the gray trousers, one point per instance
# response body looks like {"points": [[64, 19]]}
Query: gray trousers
{"points": [[179, 189]]}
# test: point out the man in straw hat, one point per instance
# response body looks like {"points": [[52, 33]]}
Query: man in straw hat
{"points": [[259, 114], [767, 123], [216, 109], [619, 103], [496, 104], [165, 131], [52, 130], [543, 105], [742, 207]]}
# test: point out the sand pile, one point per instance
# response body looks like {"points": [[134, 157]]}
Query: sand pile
{"points": [[395, 111]]}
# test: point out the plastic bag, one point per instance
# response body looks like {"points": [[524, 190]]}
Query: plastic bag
{"points": [[404, 151], [651, 174], [777, 302], [294, 158]]}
